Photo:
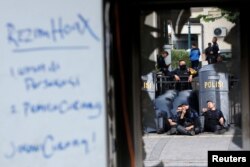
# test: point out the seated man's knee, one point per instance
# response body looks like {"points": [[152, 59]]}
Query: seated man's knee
{"points": [[181, 129], [172, 130]]}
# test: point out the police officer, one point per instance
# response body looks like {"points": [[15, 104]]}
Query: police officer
{"points": [[215, 48], [185, 122], [185, 75], [161, 64], [209, 54], [214, 119]]}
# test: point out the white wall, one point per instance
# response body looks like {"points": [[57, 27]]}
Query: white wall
{"points": [[209, 32], [210, 26]]}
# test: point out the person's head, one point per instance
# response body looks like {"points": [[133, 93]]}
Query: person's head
{"points": [[210, 104], [182, 65], [194, 45], [179, 108], [214, 39], [209, 44], [185, 106], [164, 54], [219, 58]]}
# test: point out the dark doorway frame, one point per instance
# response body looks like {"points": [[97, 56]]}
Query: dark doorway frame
{"points": [[129, 14]]}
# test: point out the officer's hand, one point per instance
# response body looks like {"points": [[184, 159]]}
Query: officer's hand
{"points": [[176, 77], [189, 127], [190, 78], [204, 109]]}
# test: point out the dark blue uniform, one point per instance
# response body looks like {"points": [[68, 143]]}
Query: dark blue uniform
{"points": [[183, 73], [212, 117], [161, 64]]}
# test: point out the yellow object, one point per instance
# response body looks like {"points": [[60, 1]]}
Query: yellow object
{"points": [[192, 71]]}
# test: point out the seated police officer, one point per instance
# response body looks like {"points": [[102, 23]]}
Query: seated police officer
{"points": [[186, 121], [214, 119], [184, 75], [172, 122]]}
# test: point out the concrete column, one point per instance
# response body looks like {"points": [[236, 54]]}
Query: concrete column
{"points": [[245, 72], [245, 101]]}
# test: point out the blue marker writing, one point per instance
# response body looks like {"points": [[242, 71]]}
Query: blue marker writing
{"points": [[48, 147], [58, 30], [41, 68], [93, 110], [33, 84]]}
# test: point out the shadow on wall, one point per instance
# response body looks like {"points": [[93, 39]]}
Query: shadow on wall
{"points": [[148, 44]]}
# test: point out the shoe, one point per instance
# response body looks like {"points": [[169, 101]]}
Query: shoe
{"points": [[160, 131], [226, 127], [168, 133], [220, 131], [172, 131], [191, 132], [197, 130]]}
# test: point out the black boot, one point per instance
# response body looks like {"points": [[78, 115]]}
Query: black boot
{"points": [[172, 130]]}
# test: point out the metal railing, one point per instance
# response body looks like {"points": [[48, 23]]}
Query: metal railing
{"points": [[234, 102], [163, 83]]}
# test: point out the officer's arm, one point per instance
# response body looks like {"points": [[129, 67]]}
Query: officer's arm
{"points": [[190, 78]]}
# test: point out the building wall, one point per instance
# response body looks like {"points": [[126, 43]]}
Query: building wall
{"points": [[210, 26], [209, 32], [151, 21]]}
